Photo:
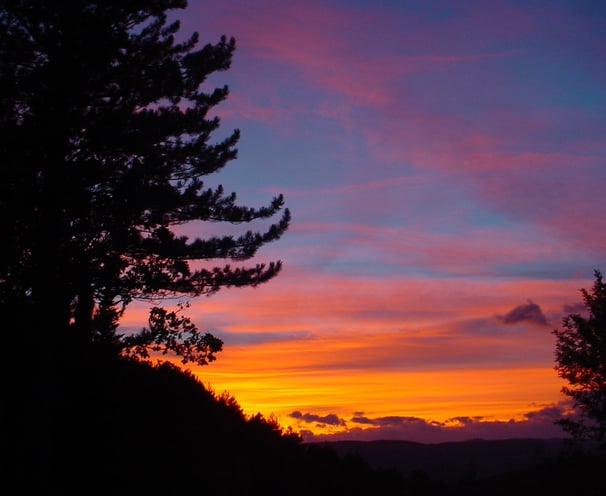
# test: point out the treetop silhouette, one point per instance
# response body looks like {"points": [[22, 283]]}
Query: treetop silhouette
{"points": [[106, 141], [581, 360]]}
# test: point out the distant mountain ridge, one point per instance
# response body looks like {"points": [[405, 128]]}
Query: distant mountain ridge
{"points": [[456, 461]]}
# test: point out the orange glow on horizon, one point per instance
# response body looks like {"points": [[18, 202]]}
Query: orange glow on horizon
{"points": [[351, 346], [281, 386]]}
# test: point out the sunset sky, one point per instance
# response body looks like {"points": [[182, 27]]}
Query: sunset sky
{"points": [[445, 165]]}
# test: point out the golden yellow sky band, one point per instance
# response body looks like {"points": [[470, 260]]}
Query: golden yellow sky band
{"points": [[266, 381]]}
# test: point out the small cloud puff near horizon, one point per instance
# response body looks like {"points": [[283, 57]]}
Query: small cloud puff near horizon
{"points": [[530, 313], [330, 419]]}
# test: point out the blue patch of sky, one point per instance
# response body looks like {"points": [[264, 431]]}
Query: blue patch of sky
{"points": [[435, 10], [560, 269], [248, 338]]}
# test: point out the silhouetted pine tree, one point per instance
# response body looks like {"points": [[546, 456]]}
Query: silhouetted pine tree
{"points": [[105, 141], [581, 360]]}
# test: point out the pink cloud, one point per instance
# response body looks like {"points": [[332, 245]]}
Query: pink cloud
{"points": [[323, 303], [478, 251], [496, 147], [555, 188], [242, 106], [336, 47], [379, 184]]}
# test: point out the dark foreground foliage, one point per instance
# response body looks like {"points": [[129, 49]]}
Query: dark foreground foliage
{"points": [[576, 469], [578, 475], [126, 427]]}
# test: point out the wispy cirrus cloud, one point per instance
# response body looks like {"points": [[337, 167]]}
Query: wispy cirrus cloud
{"points": [[242, 338]]}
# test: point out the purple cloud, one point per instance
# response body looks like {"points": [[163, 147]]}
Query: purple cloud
{"points": [[578, 308], [330, 419], [530, 313], [537, 424], [359, 419], [464, 420]]}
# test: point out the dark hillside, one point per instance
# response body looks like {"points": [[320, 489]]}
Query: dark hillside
{"points": [[581, 475], [456, 460], [123, 427], [129, 428], [475, 468]]}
